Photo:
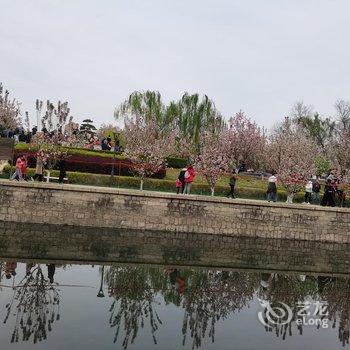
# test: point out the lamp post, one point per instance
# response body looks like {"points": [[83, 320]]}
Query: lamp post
{"points": [[100, 293]]}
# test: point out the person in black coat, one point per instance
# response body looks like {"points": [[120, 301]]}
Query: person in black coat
{"points": [[181, 177], [62, 168], [328, 199]]}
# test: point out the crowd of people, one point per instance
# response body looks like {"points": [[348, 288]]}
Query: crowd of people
{"points": [[333, 193], [19, 134], [92, 141], [20, 173]]}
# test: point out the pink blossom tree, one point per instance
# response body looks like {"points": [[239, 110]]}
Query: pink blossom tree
{"points": [[292, 154], [147, 146], [9, 110], [50, 145], [213, 159], [246, 141]]}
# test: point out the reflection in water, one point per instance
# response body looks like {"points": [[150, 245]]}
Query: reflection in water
{"points": [[139, 297], [133, 289], [337, 293], [34, 303], [211, 296], [290, 290]]}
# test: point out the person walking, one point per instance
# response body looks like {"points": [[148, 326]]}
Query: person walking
{"points": [[178, 185], [232, 183], [316, 188], [328, 199], [190, 174], [308, 192], [39, 169], [181, 178], [62, 168], [272, 188]]}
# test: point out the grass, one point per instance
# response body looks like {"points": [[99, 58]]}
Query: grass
{"points": [[243, 181]]}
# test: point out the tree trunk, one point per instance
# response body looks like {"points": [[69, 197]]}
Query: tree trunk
{"points": [[141, 184], [290, 197], [48, 176], [212, 190]]}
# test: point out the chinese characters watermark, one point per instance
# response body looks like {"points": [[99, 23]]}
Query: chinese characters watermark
{"points": [[303, 314]]}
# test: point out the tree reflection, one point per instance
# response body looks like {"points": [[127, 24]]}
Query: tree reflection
{"points": [[35, 306], [206, 296], [211, 296], [336, 291], [133, 289], [291, 290]]}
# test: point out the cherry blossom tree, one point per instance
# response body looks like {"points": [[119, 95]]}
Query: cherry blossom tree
{"points": [[291, 153], [213, 159], [246, 141], [147, 146], [50, 144], [9, 110]]}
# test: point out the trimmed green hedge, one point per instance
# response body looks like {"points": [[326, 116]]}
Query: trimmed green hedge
{"points": [[25, 147]]}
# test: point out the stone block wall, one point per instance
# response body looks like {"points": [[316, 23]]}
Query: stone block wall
{"points": [[21, 241], [85, 206]]}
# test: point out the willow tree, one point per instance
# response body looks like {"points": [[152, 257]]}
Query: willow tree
{"points": [[187, 118], [147, 105], [192, 115]]}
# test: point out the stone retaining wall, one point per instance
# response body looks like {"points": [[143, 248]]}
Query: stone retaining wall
{"points": [[154, 211], [106, 245]]}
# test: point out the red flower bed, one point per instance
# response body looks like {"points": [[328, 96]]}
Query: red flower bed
{"points": [[94, 164]]}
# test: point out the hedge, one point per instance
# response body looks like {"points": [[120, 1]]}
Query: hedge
{"points": [[175, 162]]}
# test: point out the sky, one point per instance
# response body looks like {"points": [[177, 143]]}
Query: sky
{"points": [[260, 56]]}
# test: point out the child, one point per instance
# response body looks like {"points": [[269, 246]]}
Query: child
{"points": [[178, 184]]}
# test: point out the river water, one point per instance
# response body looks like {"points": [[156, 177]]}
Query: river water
{"points": [[81, 288], [63, 305]]}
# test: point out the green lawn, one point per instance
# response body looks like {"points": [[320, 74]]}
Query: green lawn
{"points": [[242, 182]]}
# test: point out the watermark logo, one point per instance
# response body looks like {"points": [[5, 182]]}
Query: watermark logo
{"points": [[305, 313]]}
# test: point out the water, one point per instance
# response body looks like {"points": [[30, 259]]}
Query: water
{"points": [[87, 288], [61, 305]]}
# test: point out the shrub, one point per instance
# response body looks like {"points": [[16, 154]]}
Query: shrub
{"points": [[175, 162]]}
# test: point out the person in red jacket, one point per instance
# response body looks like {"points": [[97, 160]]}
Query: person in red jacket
{"points": [[24, 167], [190, 174]]}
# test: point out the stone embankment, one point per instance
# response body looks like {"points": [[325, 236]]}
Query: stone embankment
{"points": [[99, 207]]}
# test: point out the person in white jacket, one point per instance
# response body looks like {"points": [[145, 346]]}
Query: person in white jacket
{"points": [[308, 192]]}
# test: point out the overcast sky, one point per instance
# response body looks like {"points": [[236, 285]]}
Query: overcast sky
{"points": [[256, 55]]}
